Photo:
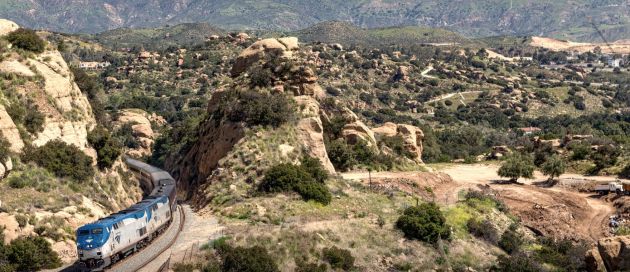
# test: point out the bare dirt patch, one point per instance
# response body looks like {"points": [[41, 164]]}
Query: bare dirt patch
{"points": [[559, 212]]}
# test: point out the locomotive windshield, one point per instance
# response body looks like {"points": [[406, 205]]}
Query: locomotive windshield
{"points": [[84, 232], [97, 231]]}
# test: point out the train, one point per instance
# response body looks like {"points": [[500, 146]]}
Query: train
{"points": [[108, 240]]}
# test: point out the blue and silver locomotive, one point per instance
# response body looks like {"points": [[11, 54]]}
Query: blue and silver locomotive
{"points": [[109, 239]]}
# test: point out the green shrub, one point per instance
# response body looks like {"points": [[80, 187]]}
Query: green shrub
{"points": [[26, 39], [483, 229], [5, 148], [338, 258], [310, 267], [288, 177], [424, 222], [314, 167], [340, 155], [314, 191], [30, 254], [253, 259], [283, 178], [107, 148], [566, 254], [34, 120], [259, 109], [517, 263], [511, 240], [61, 159]]}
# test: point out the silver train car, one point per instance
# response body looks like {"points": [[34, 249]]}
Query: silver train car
{"points": [[110, 239]]}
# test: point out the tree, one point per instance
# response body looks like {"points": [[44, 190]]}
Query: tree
{"points": [[62, 159], [517, 166], [424, 222], [553, 167], [31, 254], [107, 148], [26, 39], [5, 148]]}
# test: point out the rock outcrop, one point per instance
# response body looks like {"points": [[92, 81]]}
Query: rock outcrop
{"points": [[412, 140], [141, 127], [9, 131], [311, 131], [411, 136], [610, 254], [7, 26], [356, 132], [68, 114], [282, 47]]}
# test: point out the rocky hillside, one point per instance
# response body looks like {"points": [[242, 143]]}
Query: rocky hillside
{"points": [[563, 19], [48, 182], [241, 138]]}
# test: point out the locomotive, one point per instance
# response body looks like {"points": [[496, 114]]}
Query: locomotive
{"points": [[107, 240]]}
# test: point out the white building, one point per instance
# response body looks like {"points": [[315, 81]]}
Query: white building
{"points": [[614, 63]]}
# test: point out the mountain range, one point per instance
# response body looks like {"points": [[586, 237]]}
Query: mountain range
{"points": [[565, 19]]}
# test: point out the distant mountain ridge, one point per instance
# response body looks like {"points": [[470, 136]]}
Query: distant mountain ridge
{"points": [[566, 19]]}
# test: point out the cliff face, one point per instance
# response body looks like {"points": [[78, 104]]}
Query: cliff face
{"points": [[44, 83]]}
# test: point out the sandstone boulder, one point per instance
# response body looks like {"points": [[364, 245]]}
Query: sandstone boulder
{"points": [[388, 129], [412, 137], [412, 140], [402, 74], [141, 129], [311, 131], [7, 27], [356, 132], [10, 131], [291, 43], [259, 49], [615, 252]]}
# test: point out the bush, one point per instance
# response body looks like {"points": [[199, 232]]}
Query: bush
{"points": [[340, 155], [314, 191], [26, 39], [510, 241], [310, 267], [338, 258], [517, 263], [5, 148], [483, 229], [424, 222], [29, 254], [34, 120], [314, 167], [283, 178], [107, 148], [61, 159], [287, 177], [253, 259], [262, 109]]}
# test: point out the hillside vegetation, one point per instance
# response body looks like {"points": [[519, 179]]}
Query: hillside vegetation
{"points": [[563, 19]]}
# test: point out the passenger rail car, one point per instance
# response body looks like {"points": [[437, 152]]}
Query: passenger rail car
{"points": [[109, 239]]}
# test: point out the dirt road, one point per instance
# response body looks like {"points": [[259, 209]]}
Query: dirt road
{"points": [[557, 211]]}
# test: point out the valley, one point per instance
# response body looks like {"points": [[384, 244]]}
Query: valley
{"points": [[323, 149]]}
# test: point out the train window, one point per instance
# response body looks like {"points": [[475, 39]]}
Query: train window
{"points": [[84, 232], [97, 231], [115, 225]]}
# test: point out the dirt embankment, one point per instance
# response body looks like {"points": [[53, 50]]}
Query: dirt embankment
{"points": [[559, 212], [619, 47]]}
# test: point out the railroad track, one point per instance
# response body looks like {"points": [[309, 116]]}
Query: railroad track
{"points": [[146, 255]]}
